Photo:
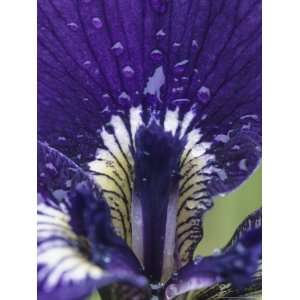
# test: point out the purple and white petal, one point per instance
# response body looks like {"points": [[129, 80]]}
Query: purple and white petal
{"points": [[76, 257], [187, 73], [235, 270]]}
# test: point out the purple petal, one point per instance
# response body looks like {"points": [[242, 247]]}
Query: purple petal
{"points": [[108, 68], [78, 251], [92, 55], [238, 264]]}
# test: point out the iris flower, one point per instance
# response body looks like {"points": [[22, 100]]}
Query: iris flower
{"points": [[147, 110]]}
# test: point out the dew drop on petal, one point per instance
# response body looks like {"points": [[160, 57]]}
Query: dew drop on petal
{"points": [[124, 96], [156, 55], [176, 45], [243, 164], [61, 139], [73, 26], [87, 63], [107, 259], [117, 48], [106, 97], [195, 44], [240, 248], [217, 252], [198, 259], [203, 94], [223, 138], [97, 23], [236, 147], [179, 68], [191, 204], [160, 34], [238, 263], [128, 72]]}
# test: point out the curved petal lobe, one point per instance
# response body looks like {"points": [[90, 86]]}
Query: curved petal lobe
{"points": [[77, 248], [236, 264]]}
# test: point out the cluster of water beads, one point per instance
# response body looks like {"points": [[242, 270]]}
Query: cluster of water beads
{"points": [[203, 94]]}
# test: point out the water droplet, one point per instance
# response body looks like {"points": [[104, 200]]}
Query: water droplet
{"points": [[243, 164], [217, 252], [240, 248], [238, 263], [236, 147], [156, 55], [61, 138], [51, 169], [97, 22], [87, 63], [178, 90], [124, 96], [159, 6], [117, 48], [191, 204], [223, 138], [203, 94], [128, 72], [176, 45], [106, 259], [204, 117], [68, 183], [160, 34], [50, 166], [179, 68], [184, 79], [73, 26], [198, 259], [106, 97], [195, 44]]}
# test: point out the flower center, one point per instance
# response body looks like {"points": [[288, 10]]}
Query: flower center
{"points": [[152, 171], [156, 183]]}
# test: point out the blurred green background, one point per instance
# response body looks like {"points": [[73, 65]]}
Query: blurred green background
{"points": [[228, 212]]}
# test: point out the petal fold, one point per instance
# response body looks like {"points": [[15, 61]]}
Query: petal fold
{"points": [[238, 264], [78, 251]]}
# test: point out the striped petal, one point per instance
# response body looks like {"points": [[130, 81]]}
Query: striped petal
{"points": [[235, 271], [78, 251]]}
